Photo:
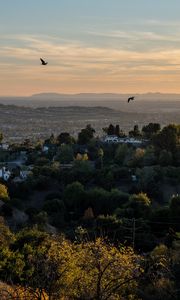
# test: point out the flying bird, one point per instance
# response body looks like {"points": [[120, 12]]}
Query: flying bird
{"points": [[130, 98], [43, 62]]}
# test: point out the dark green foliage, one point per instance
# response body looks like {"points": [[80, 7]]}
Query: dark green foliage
{"points": [[149, 181], [109, 130], [86, 135], [41, 182], [165, 158], [54, 206], [74, 197], [29, 236], [65, 138], [136, 132], [168, 139], [151, 129], [40, 218], [105, 178], [1, 137], [117, 199], [160, 221], [172, 174], [175, 211], [65, 154], [97, 196], [51, 140], [42, 161], [83, 171], [98, 199], [121, 173], [53, 195], [114, 130], [6, 210], [140, 205], [6, 236], [17, 203], [120, 154], [150, 157], [31, 212]]}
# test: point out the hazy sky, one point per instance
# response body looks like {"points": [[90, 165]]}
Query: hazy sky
{"points": [[121, 46]]}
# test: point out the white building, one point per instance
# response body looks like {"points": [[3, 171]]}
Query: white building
{"points": [[133, 141], [5, 173], [4, 146], [111, 139], [121, 140], [24, 174], [45, 149]]}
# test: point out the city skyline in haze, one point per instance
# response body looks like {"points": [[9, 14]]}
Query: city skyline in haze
{"points": [[102, 46]]}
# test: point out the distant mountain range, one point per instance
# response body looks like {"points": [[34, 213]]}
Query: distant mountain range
{"points": [[162, 96], [149, 102], [96, 96]]}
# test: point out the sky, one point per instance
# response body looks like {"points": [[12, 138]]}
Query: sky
{"points": [[92, 46]]}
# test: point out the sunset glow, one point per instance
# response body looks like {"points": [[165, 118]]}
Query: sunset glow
{"points": [[109, 46]]}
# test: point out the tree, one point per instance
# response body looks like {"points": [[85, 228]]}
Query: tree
{"points": [[79, 156], [88, 214], [74, 197], [98, 198], [85, 157], [41, 219], [151, 129], [65, 138], [1, 137], [117, 199], [54, 206], [121, 153], [117, 130], [65, 154], [51, 140], [111, 130], [86, 135], [39, 145], [175, 210], [6, 236], [140, 203], [149, 158], [122, 134], [165, 158], [136, 132], [45, 267], [82, 171], [137, 158], [3, 192], [168, 139], [48, 263], [105, 272], [105, 178], [100, 156], [9, 291], [159, 280], [149, 179]]}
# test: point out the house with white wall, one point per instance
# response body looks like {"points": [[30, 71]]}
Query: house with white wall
{"points": [[5, 173]]}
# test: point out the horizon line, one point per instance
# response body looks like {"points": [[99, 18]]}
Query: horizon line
{"points": [[87, 93]]}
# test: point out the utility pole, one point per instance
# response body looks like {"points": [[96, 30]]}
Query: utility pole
{"points": [[133, 232]]}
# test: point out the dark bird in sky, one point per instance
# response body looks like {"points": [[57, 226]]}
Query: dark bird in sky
{"points": [[43, 62], [130, 98]]}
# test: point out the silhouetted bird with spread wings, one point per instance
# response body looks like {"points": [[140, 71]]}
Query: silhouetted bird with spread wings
{"points": [[43, 62], [130, 98]]}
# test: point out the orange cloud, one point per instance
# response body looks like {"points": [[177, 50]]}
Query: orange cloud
{"points": [[76, 67]]}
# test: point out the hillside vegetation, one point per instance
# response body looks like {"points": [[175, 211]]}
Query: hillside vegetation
{"points": [[91, 218]]}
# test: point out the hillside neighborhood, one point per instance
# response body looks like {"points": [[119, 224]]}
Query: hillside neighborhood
{"points": [[80, 192]]}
